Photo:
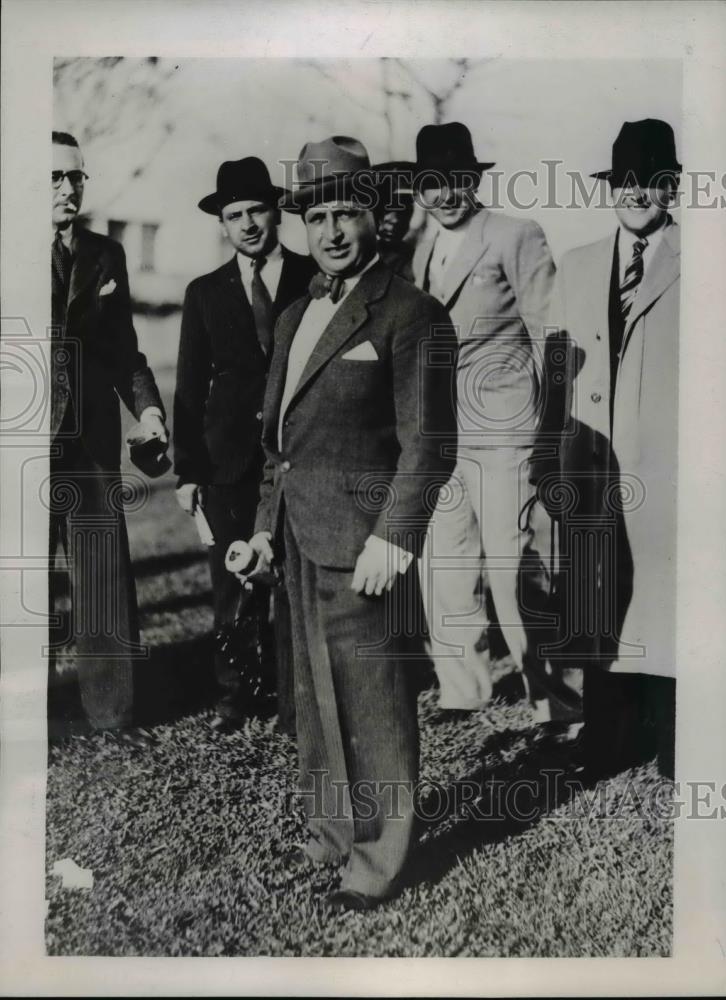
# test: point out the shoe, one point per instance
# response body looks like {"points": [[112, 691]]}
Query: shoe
{"points": [[297, 860], [226, 724], [348, 899], [554, 735], [135, 739]]}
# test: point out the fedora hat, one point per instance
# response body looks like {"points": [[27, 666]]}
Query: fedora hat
{"points": [[448, 150], [337, 167], [397, 175], [247, 179], [642, 151]]}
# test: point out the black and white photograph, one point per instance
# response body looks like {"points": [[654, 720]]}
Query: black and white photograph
{"points": [[356, 531]]}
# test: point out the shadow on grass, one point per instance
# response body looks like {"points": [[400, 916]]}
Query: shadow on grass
{"points": [[176, 680], [167, 562], [482, 808]]}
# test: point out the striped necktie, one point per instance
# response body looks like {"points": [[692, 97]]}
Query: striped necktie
{"points": [[262, 306], [62, 263], [632, 279]]}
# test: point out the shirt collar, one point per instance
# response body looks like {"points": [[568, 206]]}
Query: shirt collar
{"points": [[66, 236], [353, 280], [247, 263], [628, 239]]}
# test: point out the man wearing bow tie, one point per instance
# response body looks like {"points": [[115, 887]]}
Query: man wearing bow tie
{"points": [[358, 411], [224, 355], [95, 359]]}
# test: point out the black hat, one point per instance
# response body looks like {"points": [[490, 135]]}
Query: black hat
{"points": [[337, 167], [401, 173], [448, 150], [247, 179], [643, 151]]}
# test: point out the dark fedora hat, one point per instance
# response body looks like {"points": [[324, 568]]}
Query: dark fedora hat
{"points": [[247, 179], [398, 174], [643, 151], [336, 168], [448, 150]]}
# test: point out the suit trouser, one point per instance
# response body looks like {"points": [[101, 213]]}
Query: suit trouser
{"points": [[481, 524], [356, 724], [86, 516], [230, 510], [629, 719]]}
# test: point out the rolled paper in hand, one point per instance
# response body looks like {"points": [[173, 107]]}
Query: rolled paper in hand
{"points": [[203, 529], [240, 558]]}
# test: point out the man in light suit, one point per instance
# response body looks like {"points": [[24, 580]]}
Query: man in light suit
{"points": [[610, 427], [224, 355], [494, 274], [357, 414], [95, 360]]}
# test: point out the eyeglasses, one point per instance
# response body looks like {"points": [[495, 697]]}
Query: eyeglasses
{"points": [[75, 177]]}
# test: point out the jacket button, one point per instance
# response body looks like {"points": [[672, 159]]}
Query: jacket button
{"points": [[285, 466], [258, 416], [596, 397]]}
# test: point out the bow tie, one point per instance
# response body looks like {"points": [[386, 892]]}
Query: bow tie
{"points": [[326, 284]]}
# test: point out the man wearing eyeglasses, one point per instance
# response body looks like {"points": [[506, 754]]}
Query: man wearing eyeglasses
{"points": [[95, 360]]}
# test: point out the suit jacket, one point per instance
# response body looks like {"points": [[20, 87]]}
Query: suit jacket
{"points": [[95, 357], [620, 475], [366, 443], [497, 291], [221, 373]]}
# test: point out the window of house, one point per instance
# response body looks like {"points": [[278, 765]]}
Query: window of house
{"points": [[117, 230], [148, 246]]}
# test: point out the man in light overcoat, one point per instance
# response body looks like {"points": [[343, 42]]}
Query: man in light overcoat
{"points": [[611, 422]]}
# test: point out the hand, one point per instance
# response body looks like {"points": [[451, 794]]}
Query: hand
{"points": [[378, 565], [188, 497], [238, 555], [154, 425]]}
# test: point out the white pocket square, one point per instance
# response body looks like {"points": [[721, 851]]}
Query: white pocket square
{"points": [[361, 352], [109, 287]]}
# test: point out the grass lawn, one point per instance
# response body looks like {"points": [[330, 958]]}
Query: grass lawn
{"points": [[185, 840]]}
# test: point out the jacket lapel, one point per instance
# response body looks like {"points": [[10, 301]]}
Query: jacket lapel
{"points": [[236, 304], [664, 268], [470, 251], [602, 262], [349, 318], [284, 287], [285, 330], [421, 261], [87, 265]]}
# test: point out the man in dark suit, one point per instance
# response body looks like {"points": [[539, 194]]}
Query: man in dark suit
{"points": [[394, 243], [224, 356], [95, 360], [356, 417]]}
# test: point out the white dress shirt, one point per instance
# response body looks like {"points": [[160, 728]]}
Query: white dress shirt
{"points": [[312, 325], [627, 240], [270, 273]]}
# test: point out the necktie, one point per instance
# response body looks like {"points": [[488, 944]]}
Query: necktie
{"points": [[632, 278], [262, 307], [326, 284], [62, 264]]}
